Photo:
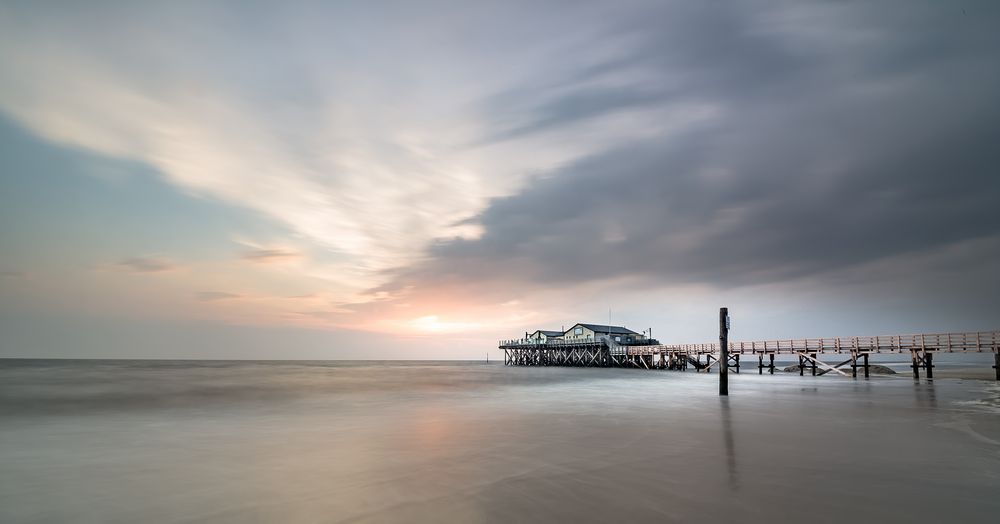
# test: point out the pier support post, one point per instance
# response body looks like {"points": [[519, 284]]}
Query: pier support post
{"points": [[760, 363], [996, 363], [737, 357], [854, 364], [814, 355], [915, 364], [724, 351], [802, 366], [771, 367], [866, 365], [929, 365]]}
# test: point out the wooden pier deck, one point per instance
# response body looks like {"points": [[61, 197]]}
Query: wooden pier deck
{"points": [[605, 353]]}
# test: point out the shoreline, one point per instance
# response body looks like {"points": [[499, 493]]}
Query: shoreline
{"points": [[963, 373]]}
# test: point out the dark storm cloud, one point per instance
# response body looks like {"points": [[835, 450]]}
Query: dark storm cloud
{"points": [[678, 53], [846, 134]]}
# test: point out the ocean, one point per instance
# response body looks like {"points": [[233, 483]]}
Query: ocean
{"points": [[335, 441]]}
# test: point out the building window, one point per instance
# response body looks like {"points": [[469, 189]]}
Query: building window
{"points": [[578, 331]]}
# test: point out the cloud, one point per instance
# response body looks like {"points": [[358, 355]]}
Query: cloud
{"points": [[364, 156], [488, 152], [147, 265], [360, 154], [270, 256], [829, 150], [213, 296]]}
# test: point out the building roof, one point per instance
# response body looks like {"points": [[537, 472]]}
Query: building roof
{"points": [[549, 333], [600, 328]]}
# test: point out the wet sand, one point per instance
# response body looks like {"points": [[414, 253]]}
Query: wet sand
{"points": [[466, 442]]}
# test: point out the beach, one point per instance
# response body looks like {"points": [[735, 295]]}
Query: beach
{"points": [[190, 441]]}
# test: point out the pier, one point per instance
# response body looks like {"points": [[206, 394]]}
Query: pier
{"points": [[818, 356]]}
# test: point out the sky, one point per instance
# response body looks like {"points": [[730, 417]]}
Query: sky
{"points": [[411, 180]]}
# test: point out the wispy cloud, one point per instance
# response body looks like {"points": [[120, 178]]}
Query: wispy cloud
{"points": [[362, 157], [213, 296], [270, 256], [147, 264]]}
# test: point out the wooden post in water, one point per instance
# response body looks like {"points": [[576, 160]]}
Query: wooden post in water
{"points": [[996, 363], [929, 364], [723, 351]]}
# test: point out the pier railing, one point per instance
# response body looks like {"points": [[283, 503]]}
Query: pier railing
{"points": [[978, 341]]}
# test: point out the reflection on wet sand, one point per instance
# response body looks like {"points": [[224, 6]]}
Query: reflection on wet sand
{"points": [[727, 433], [926, 394]]}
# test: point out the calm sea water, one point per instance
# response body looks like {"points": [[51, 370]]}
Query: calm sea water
{"points": [[177, 441]]}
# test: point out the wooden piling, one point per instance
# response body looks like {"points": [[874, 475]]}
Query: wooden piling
{"points": [[929, 365], [915, 364], [866, 366], [724, 351]]}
